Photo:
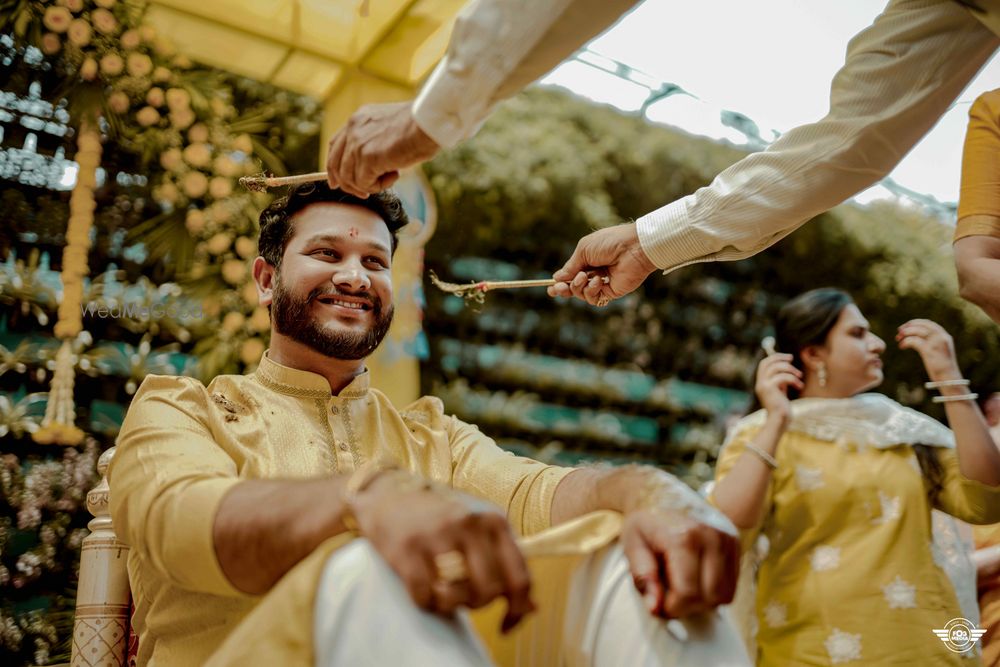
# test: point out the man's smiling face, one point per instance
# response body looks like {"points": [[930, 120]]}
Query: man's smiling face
{"points": [[333, 291]]}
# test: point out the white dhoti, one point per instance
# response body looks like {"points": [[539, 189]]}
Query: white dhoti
{"points": [[365, 617]]}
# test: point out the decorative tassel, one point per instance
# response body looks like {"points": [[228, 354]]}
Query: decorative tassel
{"points": [[58, 426]]}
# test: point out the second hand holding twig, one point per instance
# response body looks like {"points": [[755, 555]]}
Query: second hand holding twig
{"points": [[478, 290]]}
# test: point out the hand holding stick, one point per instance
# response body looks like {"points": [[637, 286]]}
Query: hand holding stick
{"points": [[477, 290]]}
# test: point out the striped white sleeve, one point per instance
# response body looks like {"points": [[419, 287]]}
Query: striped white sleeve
{"points": [[497, 47], [900, 76]]}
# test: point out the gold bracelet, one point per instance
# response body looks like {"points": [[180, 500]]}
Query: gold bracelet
{"points": [[359, 480], [959, 397], [768, 460]]}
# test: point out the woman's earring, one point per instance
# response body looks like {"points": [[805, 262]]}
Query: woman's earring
{"points": [[821, 374]]}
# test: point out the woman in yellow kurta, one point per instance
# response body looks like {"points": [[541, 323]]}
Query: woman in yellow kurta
{"points": [[842, 485]]}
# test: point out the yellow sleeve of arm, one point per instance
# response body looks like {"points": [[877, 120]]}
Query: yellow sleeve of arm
{"points": [[523, 487], [964, 498], [167, 480], [728, 456], [979, 198]]}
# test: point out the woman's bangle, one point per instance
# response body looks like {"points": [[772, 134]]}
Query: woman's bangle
{"points": [[768, 460], [946, 383], [958, 397]]}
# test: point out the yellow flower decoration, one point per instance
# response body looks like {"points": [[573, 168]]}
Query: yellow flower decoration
{"points": [[232, 322], [243, 143], [195, 184], [198, 133], [181, 118], [198, 155], [251, 351], [219, 243], [195, 221], [130, 40], [178, 98], [220, 187], [156, 98], [246, 247], [147, 116], [88, 70], [112, 64], [139, 64], [234, 271], [118, 102], [51, 44], [57, 19], [249, 294], [104, 22], [79, 33], [171, 159], [260, 320]]}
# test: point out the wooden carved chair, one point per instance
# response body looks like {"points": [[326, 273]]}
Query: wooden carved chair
{"points": [[101, 625]]}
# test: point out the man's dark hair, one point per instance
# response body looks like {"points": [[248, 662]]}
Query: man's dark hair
{"points": [[276, 227]]}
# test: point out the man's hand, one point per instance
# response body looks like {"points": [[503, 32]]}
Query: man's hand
{"points": [[413, 527], [614, 252], [366, 155], [679, 565]]}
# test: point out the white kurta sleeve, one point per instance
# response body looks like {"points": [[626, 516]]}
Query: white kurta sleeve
{"points": [[497, 47], [900, 76]]}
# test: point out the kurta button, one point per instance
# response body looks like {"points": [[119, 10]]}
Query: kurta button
{"points": [[334, 410], [343, 446]]}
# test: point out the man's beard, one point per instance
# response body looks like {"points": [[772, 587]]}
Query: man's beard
{"points": [[292, 319]]}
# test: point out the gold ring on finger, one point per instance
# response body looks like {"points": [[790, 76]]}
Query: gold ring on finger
{"points": [[603, 301], [451, 567]]}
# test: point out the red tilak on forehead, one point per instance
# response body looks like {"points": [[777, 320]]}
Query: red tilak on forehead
{"points": [[353, 232]]}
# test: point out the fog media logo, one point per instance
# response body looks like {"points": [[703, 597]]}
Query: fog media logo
{"points": [[959, 634], [136, 312]]}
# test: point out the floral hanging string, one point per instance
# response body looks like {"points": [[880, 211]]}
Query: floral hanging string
{"points": [[58, 426]]}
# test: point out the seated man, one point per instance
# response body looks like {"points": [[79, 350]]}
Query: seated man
{"points": [[294, 516]]}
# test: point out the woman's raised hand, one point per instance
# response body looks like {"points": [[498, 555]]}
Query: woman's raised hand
{"points": [[775, 374], [934, 345]]}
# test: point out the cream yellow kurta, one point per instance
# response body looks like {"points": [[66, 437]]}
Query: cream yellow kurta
{"points": [[183, 446], [851, 576]]}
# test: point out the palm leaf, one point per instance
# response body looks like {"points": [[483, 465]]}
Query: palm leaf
{"points": [[165, 236], [270, 159]]}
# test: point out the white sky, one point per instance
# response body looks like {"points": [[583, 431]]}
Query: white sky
{"points": [[771, 60]]}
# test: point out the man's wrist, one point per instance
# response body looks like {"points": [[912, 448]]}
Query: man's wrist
{"points": [[645, 488], [420, 144], [358, 489], [637, 251]]}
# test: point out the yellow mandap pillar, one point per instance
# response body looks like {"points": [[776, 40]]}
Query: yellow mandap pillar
{"points": [[395, 366]]}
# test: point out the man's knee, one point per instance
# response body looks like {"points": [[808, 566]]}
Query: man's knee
{"points": [[608, 624], [358, 594]]}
